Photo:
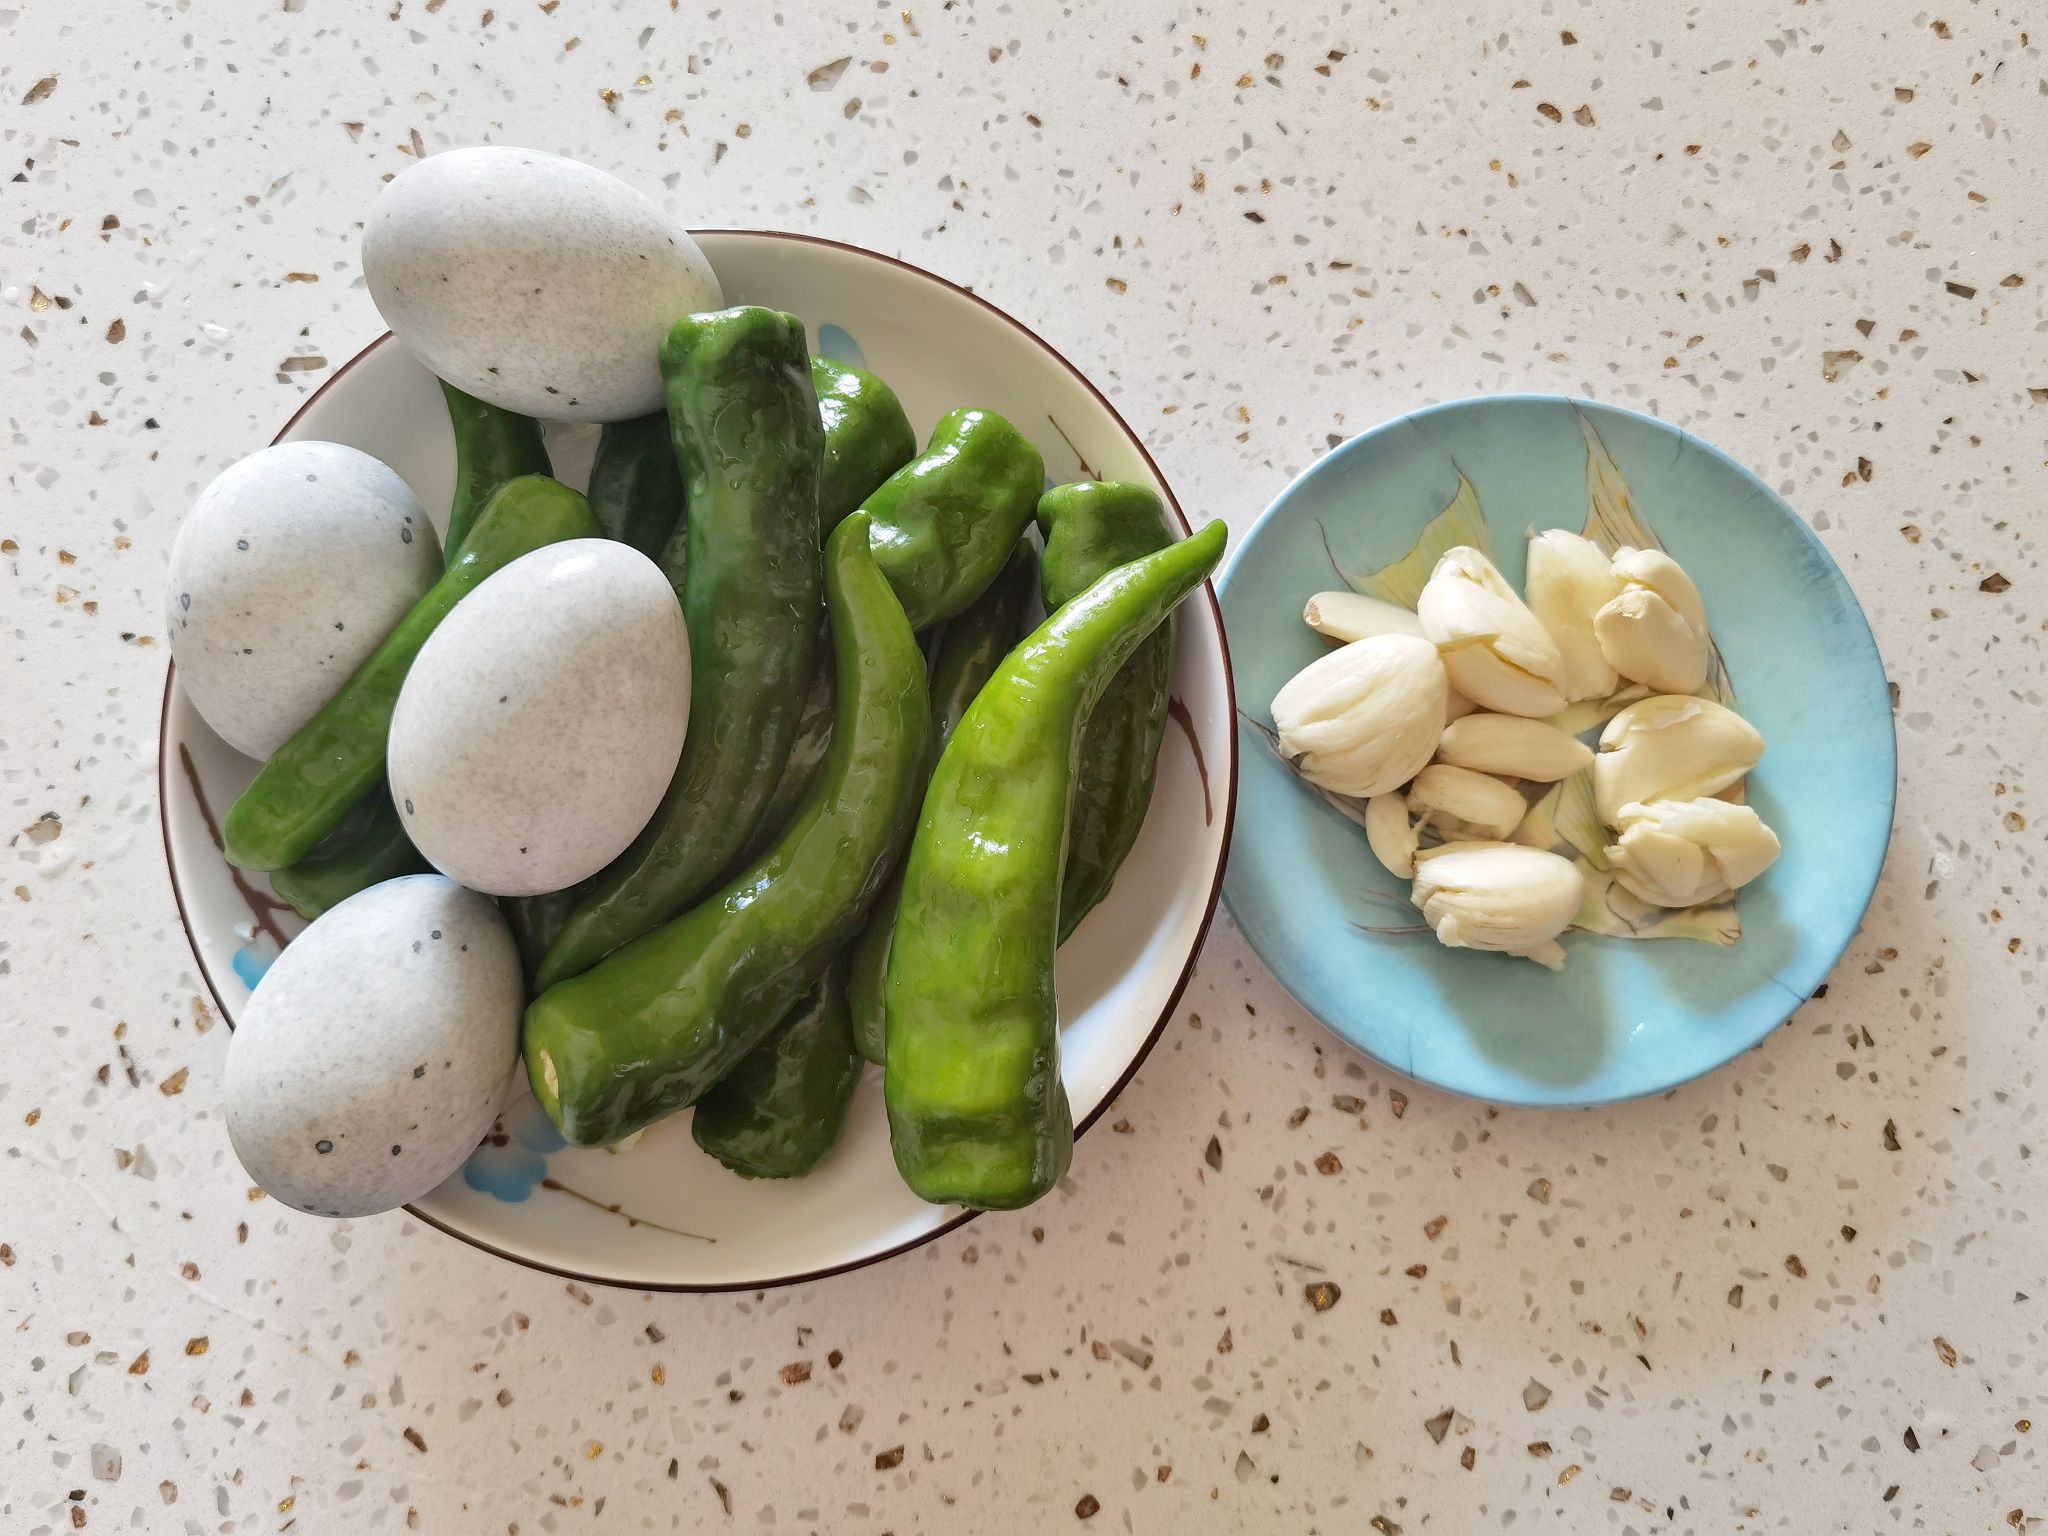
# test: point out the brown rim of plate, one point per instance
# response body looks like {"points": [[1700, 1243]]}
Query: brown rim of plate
{"points": [[1165, 1013]]}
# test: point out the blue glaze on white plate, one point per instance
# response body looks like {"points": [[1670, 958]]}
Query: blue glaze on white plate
{"points": [[1624, 1018]]}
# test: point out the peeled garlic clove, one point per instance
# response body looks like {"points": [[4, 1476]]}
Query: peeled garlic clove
{"points": [[1517, 748], [1569, 581], [1364, 718], [1497, 896], [1351, 616], [1655, 629], [1457, 707], [1672, 747], [1646, 640], [1679, 853], [1663, 575], [1496, 652], [1391, 834], [1476, 802]]}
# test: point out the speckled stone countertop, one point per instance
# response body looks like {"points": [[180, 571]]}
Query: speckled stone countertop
{"points": [[1805, 1294]]}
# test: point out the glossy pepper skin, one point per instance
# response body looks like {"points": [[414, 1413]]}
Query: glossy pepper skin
{"points": [[1090, 529], [366, 849], [867, 437], [945, 522], [337, 757], [777, 1113], [654, 1026], [491, 447], [977, 1112], [969, 649], [745, 428], [636, 486], [806, 756]]}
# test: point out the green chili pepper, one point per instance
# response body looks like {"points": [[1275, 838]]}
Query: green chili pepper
{"points": [[745, 427], [945, 522], [366, 849], [536, 922], [655, 1025], [1090, 529], [636, 487], [970, 648], [867, 437], [491, 446], [977, 1112], [777, 1113], [337, 757], [800, 769]]}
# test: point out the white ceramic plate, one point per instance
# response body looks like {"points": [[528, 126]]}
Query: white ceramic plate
{"points": [[664, 1215]]}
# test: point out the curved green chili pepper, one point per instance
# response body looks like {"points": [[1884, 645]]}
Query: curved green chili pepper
{"points": [[970, 648], [655, 1025], [945, 522], [977, 1112], [636, 487], [777, 1113], [745, 426], [800, 769], [1090, 529], [337, 757], [492, 446], [867, 437], [366, 849]]}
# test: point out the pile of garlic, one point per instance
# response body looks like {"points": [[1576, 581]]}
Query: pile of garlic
{"points": [[1434, 718]]}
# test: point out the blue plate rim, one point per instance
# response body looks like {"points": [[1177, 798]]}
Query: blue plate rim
{"points": [[1797, 990]]}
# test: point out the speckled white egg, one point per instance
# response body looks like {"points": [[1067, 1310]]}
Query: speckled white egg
{"points": [[286, 573], [541, 722], [540, 284], [377, 1049]]}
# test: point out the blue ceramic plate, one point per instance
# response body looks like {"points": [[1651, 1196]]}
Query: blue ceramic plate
{"points": [[1625, 1017]]}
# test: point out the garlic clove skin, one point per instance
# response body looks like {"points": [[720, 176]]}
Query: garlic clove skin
{"points": [[1672, 747], [1495, 651], [1391, 835], [1349, 616], [1679, 853], [1570, 580], [1363, 719], [1476, 802], [1498, 896], [1513, 747], [1654, 630]]}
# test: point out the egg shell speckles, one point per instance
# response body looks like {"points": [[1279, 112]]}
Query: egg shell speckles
{"points": [[377, 1049], [533, 282], [289, 569], [543, 719]]}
